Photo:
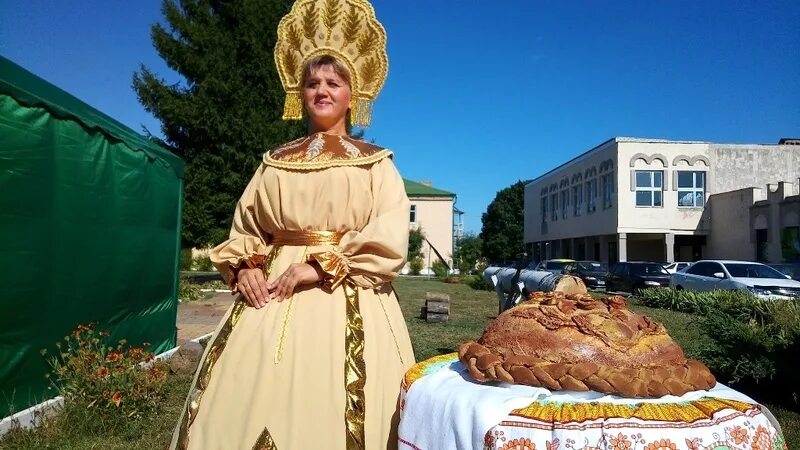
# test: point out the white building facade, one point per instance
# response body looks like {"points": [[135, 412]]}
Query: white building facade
{"points": [[631, 199]]}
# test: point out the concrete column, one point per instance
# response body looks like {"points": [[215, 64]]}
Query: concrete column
{"points": [[622, 246], [588, 247], [669, 246], [573, 248], [603, 256]]}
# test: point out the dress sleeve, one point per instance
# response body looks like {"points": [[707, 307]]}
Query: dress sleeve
{"points": [[375, 254], [246, 247]]}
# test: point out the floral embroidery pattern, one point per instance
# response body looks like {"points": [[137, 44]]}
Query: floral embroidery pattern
{"points": [[519, 444], [739, 435], [620, 442], [662, 444]]}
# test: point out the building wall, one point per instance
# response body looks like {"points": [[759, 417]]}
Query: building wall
{"points": [[577, 172], [435, 216], [668, 158], [741, 166], [730, 236]]}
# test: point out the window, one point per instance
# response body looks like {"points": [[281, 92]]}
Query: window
{"points": [[564, 203], [554, 207], [591, 195], [691, 189], [544, 208], [577, 200], [413, 216], [607, 185], [649, 188], [704, 269]]}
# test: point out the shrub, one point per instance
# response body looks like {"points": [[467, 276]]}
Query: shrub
{"points": [[203, 263], [415, 266], [476, 282], [186, 259], [690, 301], [112, 384], [756, 343], [187, 291], [439, 269]]}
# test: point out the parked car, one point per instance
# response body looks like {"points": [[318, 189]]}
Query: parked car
{"points": [[553, 265], [791, 269], [759, 279], [676, 266], [633, 276], [592, 273]]}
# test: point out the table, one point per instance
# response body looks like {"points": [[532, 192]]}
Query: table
{"points": [[442, 408]]}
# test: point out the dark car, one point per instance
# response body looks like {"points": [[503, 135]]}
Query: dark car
{"points": [[592, 273], [633, 276], [790, 269]]}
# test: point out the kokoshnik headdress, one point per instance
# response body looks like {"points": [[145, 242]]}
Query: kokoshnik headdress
{"points": [[345, 29]]}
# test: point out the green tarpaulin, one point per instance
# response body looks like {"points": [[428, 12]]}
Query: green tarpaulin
{"points": [[90, 217]]}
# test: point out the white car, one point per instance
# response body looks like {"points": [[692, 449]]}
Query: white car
{"points": [[676, 266], [759, 279]]}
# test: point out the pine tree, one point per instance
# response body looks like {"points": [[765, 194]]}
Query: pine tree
{"points": [[227, 111]]}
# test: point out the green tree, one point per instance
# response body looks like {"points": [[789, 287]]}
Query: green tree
{"points": [[415, 239], [469, 251], [227, 110], [502, 224]]}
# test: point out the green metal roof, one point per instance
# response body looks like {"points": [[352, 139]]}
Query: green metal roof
{"points": [[32, 91], [414, 189]]}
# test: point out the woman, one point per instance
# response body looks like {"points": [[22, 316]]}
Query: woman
{"points": [[312, 353]]}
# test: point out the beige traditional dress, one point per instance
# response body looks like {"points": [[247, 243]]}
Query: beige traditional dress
{"points": [[323, 369]]}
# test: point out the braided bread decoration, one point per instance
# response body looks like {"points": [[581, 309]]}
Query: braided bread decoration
{"points": [[573, 342]]}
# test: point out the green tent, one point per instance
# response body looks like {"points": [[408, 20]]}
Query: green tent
{"points": [[90, 219]]}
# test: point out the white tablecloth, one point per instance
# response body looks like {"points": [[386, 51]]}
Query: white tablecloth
{"points": [[443, 409]]}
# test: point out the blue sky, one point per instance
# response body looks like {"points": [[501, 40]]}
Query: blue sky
{"points": [[481, 94]]}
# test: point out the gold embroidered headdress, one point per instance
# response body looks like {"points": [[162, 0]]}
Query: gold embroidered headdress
{"points": [[345, 29]]}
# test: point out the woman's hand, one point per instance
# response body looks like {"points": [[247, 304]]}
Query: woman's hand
{"points": [[296, 275], [253, 285]]}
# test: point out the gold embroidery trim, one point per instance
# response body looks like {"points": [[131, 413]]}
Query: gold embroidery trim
{"points": [[324, 161], [287, 315], [215, 348], [308, 238], [355, 371], [688, 412], [265, 442]]}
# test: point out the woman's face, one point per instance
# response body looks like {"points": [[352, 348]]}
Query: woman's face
{"points": [[326, 97]]}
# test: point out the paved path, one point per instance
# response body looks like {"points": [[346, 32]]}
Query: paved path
{"points": [[201, 317]]}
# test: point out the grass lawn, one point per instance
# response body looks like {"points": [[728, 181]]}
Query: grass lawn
{"points": [[470, 311]]}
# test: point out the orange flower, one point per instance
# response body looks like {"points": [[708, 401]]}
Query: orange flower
{"points": [[663, 444], [519, 444], [102, 372], [116, 398], [739, 435], [620, 443], [114, 357]]}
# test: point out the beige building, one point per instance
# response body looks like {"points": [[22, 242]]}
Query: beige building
{"points": [[645, 199], [762, 223], [433, 211]]}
